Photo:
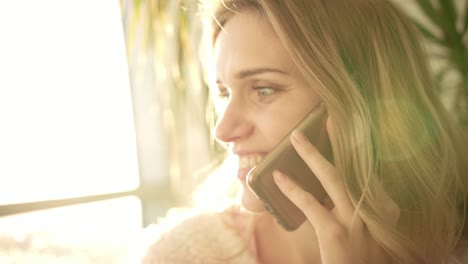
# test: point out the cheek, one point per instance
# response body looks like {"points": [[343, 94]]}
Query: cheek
{"points": [[277, 125], [280, 118]]}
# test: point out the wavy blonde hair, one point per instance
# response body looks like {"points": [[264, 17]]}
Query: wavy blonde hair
{"points": [[365, 59]]}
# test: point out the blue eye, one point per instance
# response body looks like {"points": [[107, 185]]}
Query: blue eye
{"points": [[264, 91]]}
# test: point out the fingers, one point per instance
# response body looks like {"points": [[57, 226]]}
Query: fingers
{"points": [[317, 214], [330, 130], [390, 207], [332, 235], [325, 172], [392, 210], [338, 234]]}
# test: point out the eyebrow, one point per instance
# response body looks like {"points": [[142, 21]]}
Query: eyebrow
{"points": [[256, 71], [252, 72]]}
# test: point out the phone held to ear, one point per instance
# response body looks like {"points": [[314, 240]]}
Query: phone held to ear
{"points": [[285, 159]]}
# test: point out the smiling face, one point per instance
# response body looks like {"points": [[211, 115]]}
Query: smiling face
{"points": [[264, 95]]}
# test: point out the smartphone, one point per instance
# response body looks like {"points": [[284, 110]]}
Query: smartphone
{"points": [[285, 159]]}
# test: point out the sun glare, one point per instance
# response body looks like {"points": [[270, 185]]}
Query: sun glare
{"points": [[65, 107]]}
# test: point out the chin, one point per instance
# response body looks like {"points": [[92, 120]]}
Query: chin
{"points": [[250, 200]]}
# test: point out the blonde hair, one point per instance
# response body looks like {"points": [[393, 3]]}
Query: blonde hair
{"points": [[391, 132]]}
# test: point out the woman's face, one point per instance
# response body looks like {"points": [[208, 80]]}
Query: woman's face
{"points": [[264, 95]]}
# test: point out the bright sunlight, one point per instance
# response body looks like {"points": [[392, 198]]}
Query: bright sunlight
{"points": [[66, 130], [65, 107]]}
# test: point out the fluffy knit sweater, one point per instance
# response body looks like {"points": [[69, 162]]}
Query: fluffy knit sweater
{"points": [[214, 238], [201, 237]]}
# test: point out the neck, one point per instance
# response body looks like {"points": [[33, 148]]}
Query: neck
{"points": [[276, 245]]}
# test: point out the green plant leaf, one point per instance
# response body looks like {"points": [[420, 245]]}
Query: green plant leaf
{"points": [[445, 17], [429, 10], [448, 7], [439, 76], [465, 24], [428, 34], [449, 18]]}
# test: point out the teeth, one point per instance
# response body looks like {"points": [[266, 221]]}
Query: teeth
{"points": [[247, 162]]}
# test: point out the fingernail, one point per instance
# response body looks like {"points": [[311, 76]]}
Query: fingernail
{"points": [[299, 137], [279, 176]]}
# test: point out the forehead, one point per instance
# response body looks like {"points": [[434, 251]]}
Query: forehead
{"points": [[247, 41]]}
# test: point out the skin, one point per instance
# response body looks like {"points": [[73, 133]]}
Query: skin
{"points": [[264, 94], [264, 97]]}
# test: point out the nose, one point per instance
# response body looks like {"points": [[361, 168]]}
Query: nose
{"points": [[234, 123]]}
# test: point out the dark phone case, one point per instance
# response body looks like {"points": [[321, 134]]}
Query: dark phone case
{"points": [[285, 158]]}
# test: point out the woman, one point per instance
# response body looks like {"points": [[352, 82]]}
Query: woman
{"points": [[397, 182]]}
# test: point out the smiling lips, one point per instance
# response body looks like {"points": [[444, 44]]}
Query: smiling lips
{"points": [[246, 163]]}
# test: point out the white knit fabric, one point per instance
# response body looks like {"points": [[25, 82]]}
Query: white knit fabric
{"points": [[208, 238], [214, 238]]}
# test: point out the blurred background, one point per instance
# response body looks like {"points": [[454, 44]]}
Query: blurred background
{"points": [[104, 117]]}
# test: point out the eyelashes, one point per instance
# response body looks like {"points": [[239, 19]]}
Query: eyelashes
{"points": [[265, 91], [257, 92]]}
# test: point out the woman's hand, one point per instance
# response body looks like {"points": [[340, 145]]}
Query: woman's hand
{"points": [[342, 236]]}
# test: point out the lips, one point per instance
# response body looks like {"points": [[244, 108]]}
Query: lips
{"points": [[249, 161], [246, 163]]}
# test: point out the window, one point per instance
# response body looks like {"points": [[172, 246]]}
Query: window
{"points": [[67, 130], [65, 105]]}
